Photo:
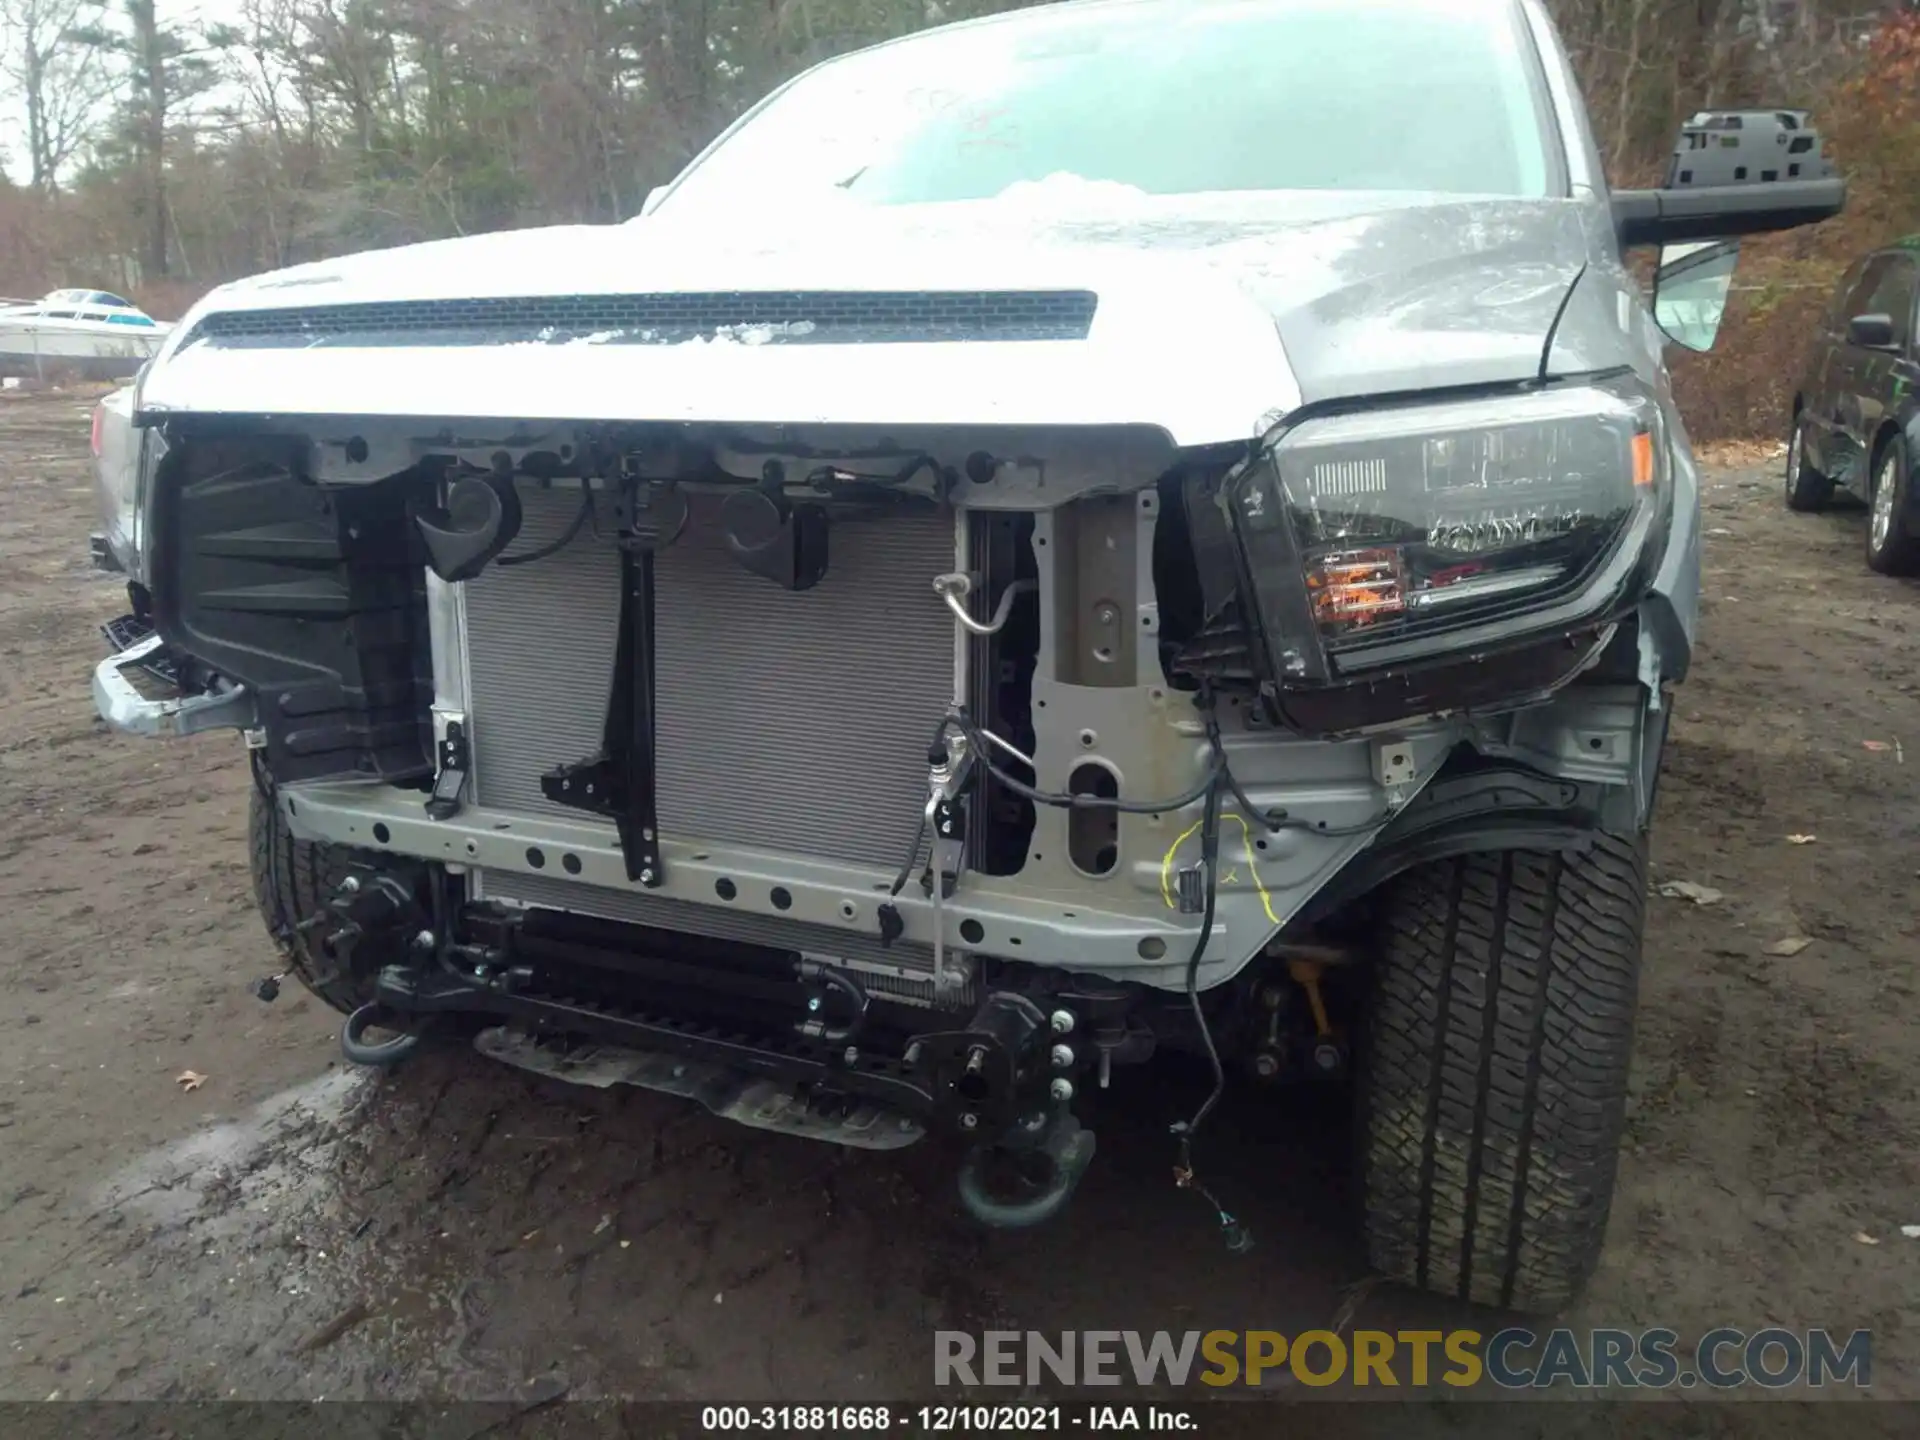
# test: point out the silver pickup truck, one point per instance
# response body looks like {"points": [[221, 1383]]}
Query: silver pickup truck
{"points": [[116, 471], [1119, 527]]}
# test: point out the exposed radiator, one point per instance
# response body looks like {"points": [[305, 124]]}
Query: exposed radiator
{"points": [[786, 721]]}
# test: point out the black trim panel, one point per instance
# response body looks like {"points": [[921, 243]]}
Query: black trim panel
{"points": [[877, 317]]}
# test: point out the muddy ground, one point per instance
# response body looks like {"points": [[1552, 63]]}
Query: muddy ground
{"points": [[288, 1229]]}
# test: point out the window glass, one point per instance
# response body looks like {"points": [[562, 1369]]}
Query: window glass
{"points": [[1891, 294], [1840, 308], [1232, 95], [1859, 295]]}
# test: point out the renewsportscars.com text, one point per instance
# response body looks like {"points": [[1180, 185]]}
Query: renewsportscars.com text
{"points": [[1515, 1358]]}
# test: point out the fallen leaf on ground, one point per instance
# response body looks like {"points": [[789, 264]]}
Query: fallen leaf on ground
{"points": [[189, 1079], [1792, 945], [1912, 1232], [1687, 890], [1801, 839], [1864, 1238], [606, 1223], [334, 1328], [1875, 745]]}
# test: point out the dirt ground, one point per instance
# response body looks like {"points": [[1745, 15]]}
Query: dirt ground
{"points": [[288, 1229]]}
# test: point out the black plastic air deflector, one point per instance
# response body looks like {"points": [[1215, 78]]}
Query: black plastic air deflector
{"points": [[314, 598]]}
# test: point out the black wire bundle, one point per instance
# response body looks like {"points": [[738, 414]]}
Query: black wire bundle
{"points": [[1218, 783], [567, 536]]}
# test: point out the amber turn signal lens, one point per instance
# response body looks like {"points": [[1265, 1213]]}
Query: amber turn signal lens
{"points": [[1642, 460], [1356, 587]]}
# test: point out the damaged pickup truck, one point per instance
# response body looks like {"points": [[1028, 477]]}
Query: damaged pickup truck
{"points": [[1120, 527]]}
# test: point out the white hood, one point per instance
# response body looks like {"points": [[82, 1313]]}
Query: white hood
{"points": [[1213, 315], [1173, 343]]}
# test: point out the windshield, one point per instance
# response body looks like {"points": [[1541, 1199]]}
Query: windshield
{"points": [[1163, 97]]}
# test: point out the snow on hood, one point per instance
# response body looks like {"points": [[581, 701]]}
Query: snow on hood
{"points": [[1367, 293]]}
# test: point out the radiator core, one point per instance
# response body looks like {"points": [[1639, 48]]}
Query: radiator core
{"points": [[786, 720]]}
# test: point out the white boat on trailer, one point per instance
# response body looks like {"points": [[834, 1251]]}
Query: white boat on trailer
{"points": [[94, 332]]}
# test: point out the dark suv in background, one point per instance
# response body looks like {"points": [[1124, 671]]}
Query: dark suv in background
{"points": [[1856, 418]]}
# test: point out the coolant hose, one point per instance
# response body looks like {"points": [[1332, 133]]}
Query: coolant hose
{"points": [[354, 1046]]}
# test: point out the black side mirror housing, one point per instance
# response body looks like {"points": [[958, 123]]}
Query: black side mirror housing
{"points": [[1733, 173], [1871, 332]]}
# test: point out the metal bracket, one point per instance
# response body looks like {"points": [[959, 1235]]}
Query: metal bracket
{"points": [[123, 707], [1396, 770], [454, 757], [947, 853], [618, 781], [634, 680]]}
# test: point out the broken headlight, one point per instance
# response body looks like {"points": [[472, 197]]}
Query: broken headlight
{"points": [[1383, 536]]}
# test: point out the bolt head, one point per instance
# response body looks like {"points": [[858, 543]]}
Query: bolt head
{"points": [[424, 940], [1061, 1089], [969, 1121], [813, 1005], [646, 876], [351, 884], [1063, 1057], [1266, 1065], [852, 1057], [1061, 1021], [1327, 1057]]}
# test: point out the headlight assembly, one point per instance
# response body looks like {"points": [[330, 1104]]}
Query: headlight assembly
{"points": [[1385, 536]]}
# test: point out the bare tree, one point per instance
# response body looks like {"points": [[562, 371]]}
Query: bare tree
{"points": [[163, 68], [57, 71]]}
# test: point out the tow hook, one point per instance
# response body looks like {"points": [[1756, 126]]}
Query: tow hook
{"points": [[380, 1054], [1003, 1083], [372, 915], [1028, 1175]]}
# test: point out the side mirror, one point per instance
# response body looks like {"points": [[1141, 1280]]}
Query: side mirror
{"points": [[1734, 172], [654, 197], [1871, 332], [1690, 291]]}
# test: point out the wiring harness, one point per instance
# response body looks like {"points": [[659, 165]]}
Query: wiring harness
{"points": [[1214, 788]]}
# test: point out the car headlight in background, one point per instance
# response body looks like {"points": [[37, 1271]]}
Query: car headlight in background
{"points": [[1381, 536]]}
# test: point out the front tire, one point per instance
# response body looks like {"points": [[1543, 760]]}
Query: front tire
{"points": [[292, 880], [1892, 548], [1807, 488], [1493, 1070]]}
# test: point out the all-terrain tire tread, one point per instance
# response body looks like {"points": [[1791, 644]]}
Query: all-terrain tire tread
{"points": [[1493, 1070]]}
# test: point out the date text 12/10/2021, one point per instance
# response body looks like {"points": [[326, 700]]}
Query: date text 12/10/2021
{"points": [[945, 1419]]}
